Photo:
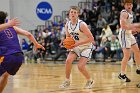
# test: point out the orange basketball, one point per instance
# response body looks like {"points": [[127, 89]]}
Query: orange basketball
{"points": [[68, 42]]}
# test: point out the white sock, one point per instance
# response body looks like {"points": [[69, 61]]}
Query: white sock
{"points": [[122, 73], [67, 79], [90, 79]]}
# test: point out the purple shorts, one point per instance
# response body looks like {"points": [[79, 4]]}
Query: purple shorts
{"points": [[11, 63]]}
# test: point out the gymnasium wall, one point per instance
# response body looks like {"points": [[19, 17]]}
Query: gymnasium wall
{"points": [[25, 10], [4, 6]]}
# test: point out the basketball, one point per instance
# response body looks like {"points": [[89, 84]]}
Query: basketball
{"points": [[68, 42]]}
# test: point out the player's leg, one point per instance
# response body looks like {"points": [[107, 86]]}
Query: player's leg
{"points": [[85, 56], [9, 66], [71, 57], [3, 75], [136, 51], [3, 81], [125, 42], [126, 56], [82, 68]]}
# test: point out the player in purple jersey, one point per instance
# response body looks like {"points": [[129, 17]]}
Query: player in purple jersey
{"points": [[11, 56], [12, 22]]}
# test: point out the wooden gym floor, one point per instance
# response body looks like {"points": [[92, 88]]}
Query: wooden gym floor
{"points": [[46, 78]]}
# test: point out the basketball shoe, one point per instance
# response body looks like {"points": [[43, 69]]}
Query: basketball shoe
{"points": [[65, 84], [138, 71], [124, 78], [89, 84], [138, 85]]}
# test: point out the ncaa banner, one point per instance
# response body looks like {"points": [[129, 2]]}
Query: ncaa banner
{"points": [[44, 11]]}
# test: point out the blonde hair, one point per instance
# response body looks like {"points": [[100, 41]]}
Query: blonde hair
{"points": [[75, 8], [128, 1]]}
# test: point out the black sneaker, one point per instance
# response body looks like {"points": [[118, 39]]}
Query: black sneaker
{"points": [[124, 78], [138, 71], [138, 85]]}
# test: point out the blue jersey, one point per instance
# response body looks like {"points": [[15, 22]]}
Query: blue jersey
{"points": [[9, 42]]}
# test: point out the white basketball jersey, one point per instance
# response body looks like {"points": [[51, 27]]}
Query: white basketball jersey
{"points": [[129, 21], [77, 33], [126, 38]]}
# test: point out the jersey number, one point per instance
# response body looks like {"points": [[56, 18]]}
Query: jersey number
{"points": [[76, 37], [8, 33]]}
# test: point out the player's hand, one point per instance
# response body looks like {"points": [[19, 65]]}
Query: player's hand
{"points": [[39, 46], [75, 45], [134, 29], [134, 32], [14, 22]]}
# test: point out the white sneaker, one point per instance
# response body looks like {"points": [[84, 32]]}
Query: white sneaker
{"points": [[65, 84], [89, 84]]}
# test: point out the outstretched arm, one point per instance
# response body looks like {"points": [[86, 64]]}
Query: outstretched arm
{"points": [[29, 36], [13, 22], [137, 25]]}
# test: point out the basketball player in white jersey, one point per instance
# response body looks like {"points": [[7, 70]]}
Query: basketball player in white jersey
{"points": [[78, 30], [127, 40]]}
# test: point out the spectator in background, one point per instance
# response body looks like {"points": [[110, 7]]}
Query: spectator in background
{"points": [[116, 32], [120, 6], [138, 14], [115, 48], [45, 33], [24, 45], [104, 48], [54, 43], [106, 32], [101, 22]]}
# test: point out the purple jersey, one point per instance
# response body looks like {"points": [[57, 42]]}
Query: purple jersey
{"points": [[9, 42]]}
